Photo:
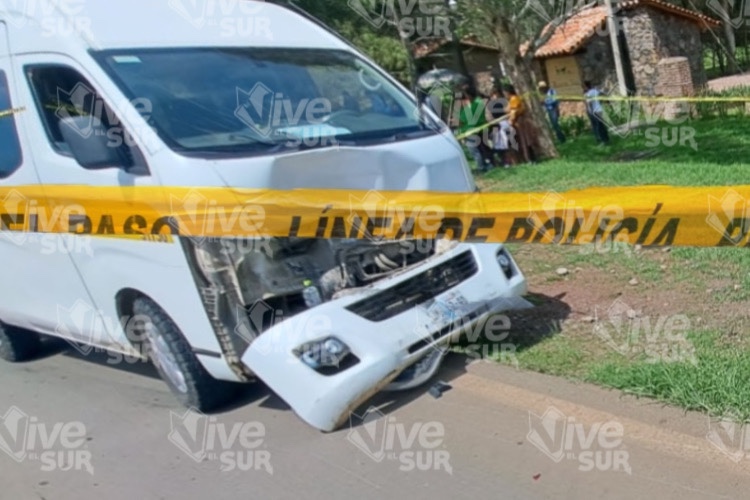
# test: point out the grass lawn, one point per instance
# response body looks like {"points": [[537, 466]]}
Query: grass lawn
{"points": [[720, 158], [689, 301]]}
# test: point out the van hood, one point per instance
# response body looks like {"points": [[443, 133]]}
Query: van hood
{"points": [[432, 164]]}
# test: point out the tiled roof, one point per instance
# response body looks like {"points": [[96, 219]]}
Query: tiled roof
{"points": [[571, 34], [426, 47]]}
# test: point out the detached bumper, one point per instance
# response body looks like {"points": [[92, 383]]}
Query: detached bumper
{"points": [[387, 327]]}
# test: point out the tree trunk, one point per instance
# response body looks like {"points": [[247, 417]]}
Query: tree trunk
{"points": [[729, 37], [521, 74]]}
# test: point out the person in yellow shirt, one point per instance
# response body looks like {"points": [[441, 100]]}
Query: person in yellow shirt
{"points": [[519, 120]]}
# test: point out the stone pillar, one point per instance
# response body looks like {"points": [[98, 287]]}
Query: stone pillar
{"points": [[674, 79]]}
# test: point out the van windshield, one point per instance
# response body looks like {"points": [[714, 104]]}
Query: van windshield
{"points": [[247, 101]]}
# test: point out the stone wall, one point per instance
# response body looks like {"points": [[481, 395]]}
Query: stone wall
{"points": [[678, 37], [652, 36], [596, 64]]}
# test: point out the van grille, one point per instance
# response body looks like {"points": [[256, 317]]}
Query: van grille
{"points": [[418, 289]]}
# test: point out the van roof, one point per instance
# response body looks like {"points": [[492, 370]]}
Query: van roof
{"points": [[108, 24]]}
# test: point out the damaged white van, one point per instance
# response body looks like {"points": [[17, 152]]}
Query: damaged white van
{"points": [[145, 93]]}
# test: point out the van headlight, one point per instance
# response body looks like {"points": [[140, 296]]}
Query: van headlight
{"points": [[326, 356], [506, 263]]}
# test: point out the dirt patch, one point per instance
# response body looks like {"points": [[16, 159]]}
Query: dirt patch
{"points": [[651, 283]]}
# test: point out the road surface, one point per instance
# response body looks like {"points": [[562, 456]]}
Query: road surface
{"points": [[497, 433]]}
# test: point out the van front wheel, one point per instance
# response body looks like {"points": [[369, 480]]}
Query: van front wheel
{"points": [[18, 345], [176, 362]]}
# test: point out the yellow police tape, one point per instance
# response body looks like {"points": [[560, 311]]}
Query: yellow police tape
{"points": [[603, 98], [10, 112], [645, 215], [651, 99], [474, 130]]}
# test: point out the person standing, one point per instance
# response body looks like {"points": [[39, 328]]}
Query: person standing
{"points": [[595, 111], [552, 105], [519, 122], [500, 131], [472, 116]]}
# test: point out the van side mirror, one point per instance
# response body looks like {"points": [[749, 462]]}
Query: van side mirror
{"points": [[87, 138]]}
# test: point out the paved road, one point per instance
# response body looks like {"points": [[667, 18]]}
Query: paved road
{"points": [[474, 442]]}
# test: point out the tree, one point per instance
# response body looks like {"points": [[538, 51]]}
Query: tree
{"points": [[381, 44], [493, 21]]}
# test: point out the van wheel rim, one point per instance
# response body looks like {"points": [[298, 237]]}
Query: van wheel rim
{"points": [[164, 358]]}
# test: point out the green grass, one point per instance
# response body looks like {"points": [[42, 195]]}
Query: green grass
{"points": [[699, 265], [718, 384], [720, 159], [560, 355]]}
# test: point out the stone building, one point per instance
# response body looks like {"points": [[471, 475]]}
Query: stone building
{"points": [[656, 37]]}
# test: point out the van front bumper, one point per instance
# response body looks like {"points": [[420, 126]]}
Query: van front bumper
{"points": [[385, 330]]}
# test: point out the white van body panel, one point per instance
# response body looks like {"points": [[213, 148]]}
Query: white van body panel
{"points": [[149, 24], [47, 285]]}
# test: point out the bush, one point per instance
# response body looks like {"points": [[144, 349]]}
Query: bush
{"points": [[707, 109], [573, 126]]}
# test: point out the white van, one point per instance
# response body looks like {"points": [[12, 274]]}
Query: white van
{"points": [[157, 93]]}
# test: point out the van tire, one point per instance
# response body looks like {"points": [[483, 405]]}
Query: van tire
{"points": [[18, 345], [195, 387]]}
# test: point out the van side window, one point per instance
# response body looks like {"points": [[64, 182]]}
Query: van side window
{"points": [[11, 156], [61, 92]]}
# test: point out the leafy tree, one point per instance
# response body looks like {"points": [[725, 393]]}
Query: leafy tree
{"points": [[381, 44], [505, 24]]}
